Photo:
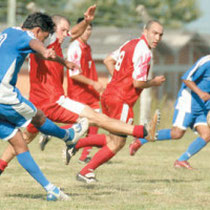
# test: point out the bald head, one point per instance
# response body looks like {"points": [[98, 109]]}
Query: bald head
{"points": [[62, 27], [153, 32], [58, 18], [150, 23]]}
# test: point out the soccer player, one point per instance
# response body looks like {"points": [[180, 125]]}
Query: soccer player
{"points": [[40, 96], [83, 84], [191, 108], [16, 111], [129, 66], [46, 91]]}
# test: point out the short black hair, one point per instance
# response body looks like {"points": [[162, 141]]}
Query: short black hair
{"points": [[80, 19], [41, 20]]}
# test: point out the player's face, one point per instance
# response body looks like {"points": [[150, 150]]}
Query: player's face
{"points": [[41, 35], [154, 34], [87, 33], [62, 30]]}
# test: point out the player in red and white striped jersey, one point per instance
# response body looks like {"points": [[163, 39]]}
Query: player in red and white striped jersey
{"points": [[60, 108], [83, 84], [129, 66]]}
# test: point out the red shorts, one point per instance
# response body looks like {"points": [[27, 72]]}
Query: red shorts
{"points": [[115, 108], [64, 110]]}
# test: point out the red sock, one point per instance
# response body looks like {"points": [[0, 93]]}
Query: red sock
{"points": [[92, 130], [138, 131], [3, 165], [102, 156], [31, 128], [98, 140], [66, 126], [86, 151]]}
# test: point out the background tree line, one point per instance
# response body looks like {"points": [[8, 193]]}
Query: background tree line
{"points": [[120, 13]]}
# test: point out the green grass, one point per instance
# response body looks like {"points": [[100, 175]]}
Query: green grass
{"points": [[144, 181]]}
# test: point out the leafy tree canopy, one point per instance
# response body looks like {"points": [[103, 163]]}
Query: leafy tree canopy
{"points": [[121, 13]]}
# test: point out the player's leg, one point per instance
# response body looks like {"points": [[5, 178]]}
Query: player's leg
{"points": [[114, 144], [103, 121], [14, 136], [181, 121], [84, 158], [197, 145], [58, 113], [92, 130], [199, 122], [46, 126], [9, 152], [27, 162]]}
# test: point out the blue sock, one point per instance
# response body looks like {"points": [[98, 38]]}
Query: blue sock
{"points": [[194, 148], [143, 141], [27, 162], [164, 134], [50, 128]]}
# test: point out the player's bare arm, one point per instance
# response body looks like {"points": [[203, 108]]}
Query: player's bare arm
{"points": [[49, 54], [203, 95], [156, 81], [41, 50], [79, 29], [82, 79], [110, 64]]}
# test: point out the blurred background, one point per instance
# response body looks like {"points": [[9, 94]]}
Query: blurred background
{"points": [[186, 36]]}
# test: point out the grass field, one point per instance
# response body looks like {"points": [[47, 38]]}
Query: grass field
{"points": [[145, 181]]}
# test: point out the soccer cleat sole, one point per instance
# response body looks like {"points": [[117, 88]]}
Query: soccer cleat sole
{"points": [[153, 126]]}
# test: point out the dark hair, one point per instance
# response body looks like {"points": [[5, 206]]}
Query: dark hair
{"points": [[40, 20], [81, 19]]}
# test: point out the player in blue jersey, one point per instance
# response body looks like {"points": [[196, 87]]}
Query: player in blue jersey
{"points": [[15, 110], [191, 108]]}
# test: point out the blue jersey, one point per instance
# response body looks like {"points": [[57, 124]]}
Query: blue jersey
{"points": [[200, 74], [14, 47]]}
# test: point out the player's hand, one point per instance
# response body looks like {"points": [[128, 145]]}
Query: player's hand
{"points": [[98, 87], [204, 96], [159, 80], [71, 65], [90, 13], [49, 54]]}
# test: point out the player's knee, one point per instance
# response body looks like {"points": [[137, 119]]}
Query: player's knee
{"points": [[206, 136], [90, 114], [177, 133], [119, 143], [39, 119]]}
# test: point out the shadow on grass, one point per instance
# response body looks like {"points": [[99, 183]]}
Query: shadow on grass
{"points": [[30, 196], [167, 180]]}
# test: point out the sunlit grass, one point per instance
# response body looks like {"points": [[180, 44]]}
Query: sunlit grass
{"points": [[144, 181]]}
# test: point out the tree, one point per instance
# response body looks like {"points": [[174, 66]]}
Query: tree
{"points": [[121, 13]]}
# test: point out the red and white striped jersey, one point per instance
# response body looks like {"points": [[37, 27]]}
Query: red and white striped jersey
{"points": [[80, 53], [46, 77], [132, 63]]}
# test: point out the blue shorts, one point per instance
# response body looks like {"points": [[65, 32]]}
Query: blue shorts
{"points": [[14, 116], [183, 119]]}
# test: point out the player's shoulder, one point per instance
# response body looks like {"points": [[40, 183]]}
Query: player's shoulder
{"points": [[14, 32], [204, 60], [74, 46]]}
